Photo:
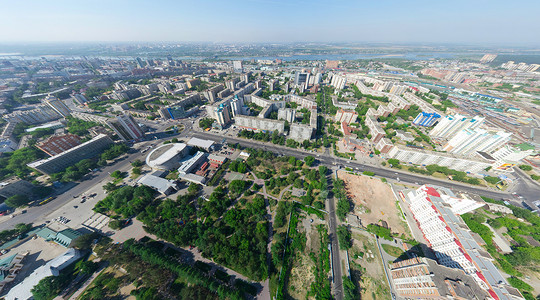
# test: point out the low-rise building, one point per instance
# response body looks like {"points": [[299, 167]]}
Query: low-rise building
{"points": [[162, 185], [22, 291], [167, 157], [200, 143], [14, 186]]}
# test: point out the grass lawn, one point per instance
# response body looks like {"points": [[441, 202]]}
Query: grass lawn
{"points": [[393, 251]]}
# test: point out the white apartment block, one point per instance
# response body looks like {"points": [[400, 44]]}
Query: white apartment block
{"points": [[424, 106], [376, 131], [346, 116], [338, 82], [451, 241], [422, 157], [451, 124], [470, 141]]}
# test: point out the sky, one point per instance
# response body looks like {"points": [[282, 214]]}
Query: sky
{"points": [[475, 22]]}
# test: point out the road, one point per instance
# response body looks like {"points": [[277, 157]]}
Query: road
{"points": [[337, 286], [529, 192]]}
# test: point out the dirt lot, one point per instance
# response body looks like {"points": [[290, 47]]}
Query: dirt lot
{"points": [[373, 201]]}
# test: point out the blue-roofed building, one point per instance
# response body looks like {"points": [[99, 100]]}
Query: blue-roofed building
{"points": [[426, 119]]}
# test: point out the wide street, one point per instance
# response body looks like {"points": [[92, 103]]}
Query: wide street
{"points": [[529, 191]]}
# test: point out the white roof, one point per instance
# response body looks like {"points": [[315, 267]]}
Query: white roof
{"points": [[205, 144], [170, 153], [160, 184], [22, 290]]}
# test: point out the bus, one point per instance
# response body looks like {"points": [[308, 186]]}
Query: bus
{"points": [[46, 200]]}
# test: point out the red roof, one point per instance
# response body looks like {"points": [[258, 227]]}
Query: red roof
{"points": [[432, 192]]}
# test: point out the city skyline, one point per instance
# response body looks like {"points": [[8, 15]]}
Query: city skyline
{"points": [[480, 22]]}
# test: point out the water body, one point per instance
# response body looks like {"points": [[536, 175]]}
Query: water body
{"points": [[407, 55]]}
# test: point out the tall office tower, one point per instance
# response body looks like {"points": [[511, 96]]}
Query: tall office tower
{"points": [[450, 125], [126, 127], [58, 105], [469, 141], [301, 78]]}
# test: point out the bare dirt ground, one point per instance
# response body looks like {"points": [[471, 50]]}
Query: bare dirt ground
{"points": [[373, 201]]}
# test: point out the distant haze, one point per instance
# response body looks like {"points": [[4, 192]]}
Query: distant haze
{"points": [[395, 21]]}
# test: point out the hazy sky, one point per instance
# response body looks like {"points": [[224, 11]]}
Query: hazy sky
{"points": [[435, 21]]}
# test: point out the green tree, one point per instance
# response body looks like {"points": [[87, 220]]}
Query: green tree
{"points": [[46, 289], [344, 237], [118, 174], [309, 160], [137, 163], [88, 267], [17, 201], [525, 167]]}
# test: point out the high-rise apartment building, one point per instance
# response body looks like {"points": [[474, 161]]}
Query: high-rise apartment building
{"points": [[126, 127], [58, 105], [338, 82], [450, 125], [221, 113], [301, 78], [470, 141]]}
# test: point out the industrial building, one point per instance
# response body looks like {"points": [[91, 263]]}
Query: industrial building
{"points": [[57, 163], [454, 246]]}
